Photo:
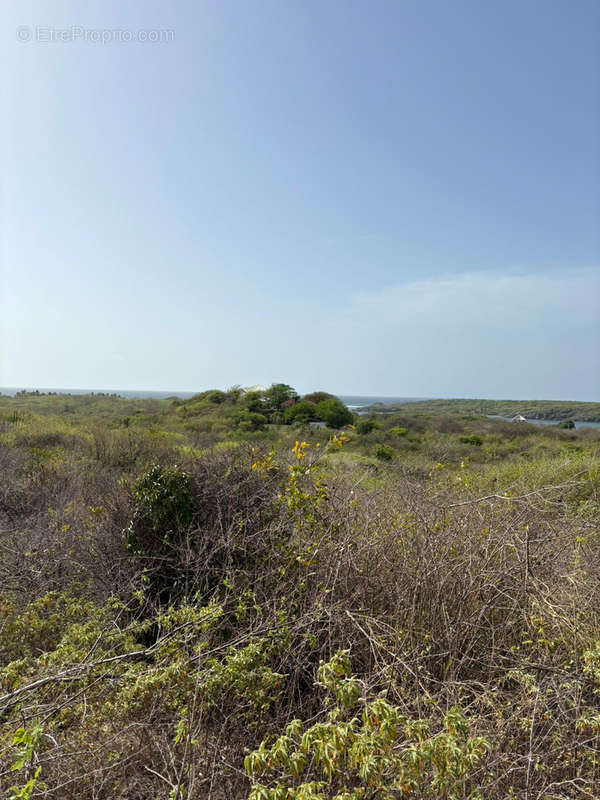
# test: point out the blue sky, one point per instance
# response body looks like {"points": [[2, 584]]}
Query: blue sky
{"points": [[395, 198]]}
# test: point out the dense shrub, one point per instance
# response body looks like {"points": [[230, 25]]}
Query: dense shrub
{"points": [[334, 413], [163, 509], [567, 423], [398, 431], [365, 426], [250, 421], [472, 439], [300, 412], [212, 396], [384, 452]]}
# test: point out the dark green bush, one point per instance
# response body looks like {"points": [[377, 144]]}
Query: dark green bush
{"points": [[162, 509], [301, 412], [384, 452], [473, 439], [334, 413], [250, 421], [365, 426], [567, 423], [253, 401]]}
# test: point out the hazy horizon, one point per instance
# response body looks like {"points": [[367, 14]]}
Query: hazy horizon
{"points": [[304, 390]]}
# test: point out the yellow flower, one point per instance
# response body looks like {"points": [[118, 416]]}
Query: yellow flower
{"points": [[300, 449], [339, 440]]}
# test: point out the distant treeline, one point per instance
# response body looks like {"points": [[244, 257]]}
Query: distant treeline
{"points": [[532, 409]]}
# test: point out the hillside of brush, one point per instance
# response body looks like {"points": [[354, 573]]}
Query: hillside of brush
{"points": [[531, 409], [218, 598]]}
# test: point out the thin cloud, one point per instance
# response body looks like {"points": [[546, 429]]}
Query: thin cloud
{"points": [[480, 334]]}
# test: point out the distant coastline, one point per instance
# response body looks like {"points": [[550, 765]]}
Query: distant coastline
{"points": [[539, 411], [549, 412], [352, 401], [130, 393]]}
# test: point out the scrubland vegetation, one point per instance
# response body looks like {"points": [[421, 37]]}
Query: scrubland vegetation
{"points": [[214, 598], [532, 409]]}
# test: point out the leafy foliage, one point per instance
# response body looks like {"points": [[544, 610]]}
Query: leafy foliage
{"points": [[334, 413], [302, 412], [374, 752], [279, 393], [163, 509]]}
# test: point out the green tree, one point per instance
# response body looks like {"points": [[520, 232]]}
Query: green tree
{"points": [[277, 394], [254, 402], [334, 413], [300, 412], [316, 397]]}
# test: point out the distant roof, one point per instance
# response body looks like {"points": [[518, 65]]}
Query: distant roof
{"points": [[256, 388], [519, 418]]}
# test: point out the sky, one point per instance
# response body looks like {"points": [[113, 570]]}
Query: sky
{"points": [[389, 198]]}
